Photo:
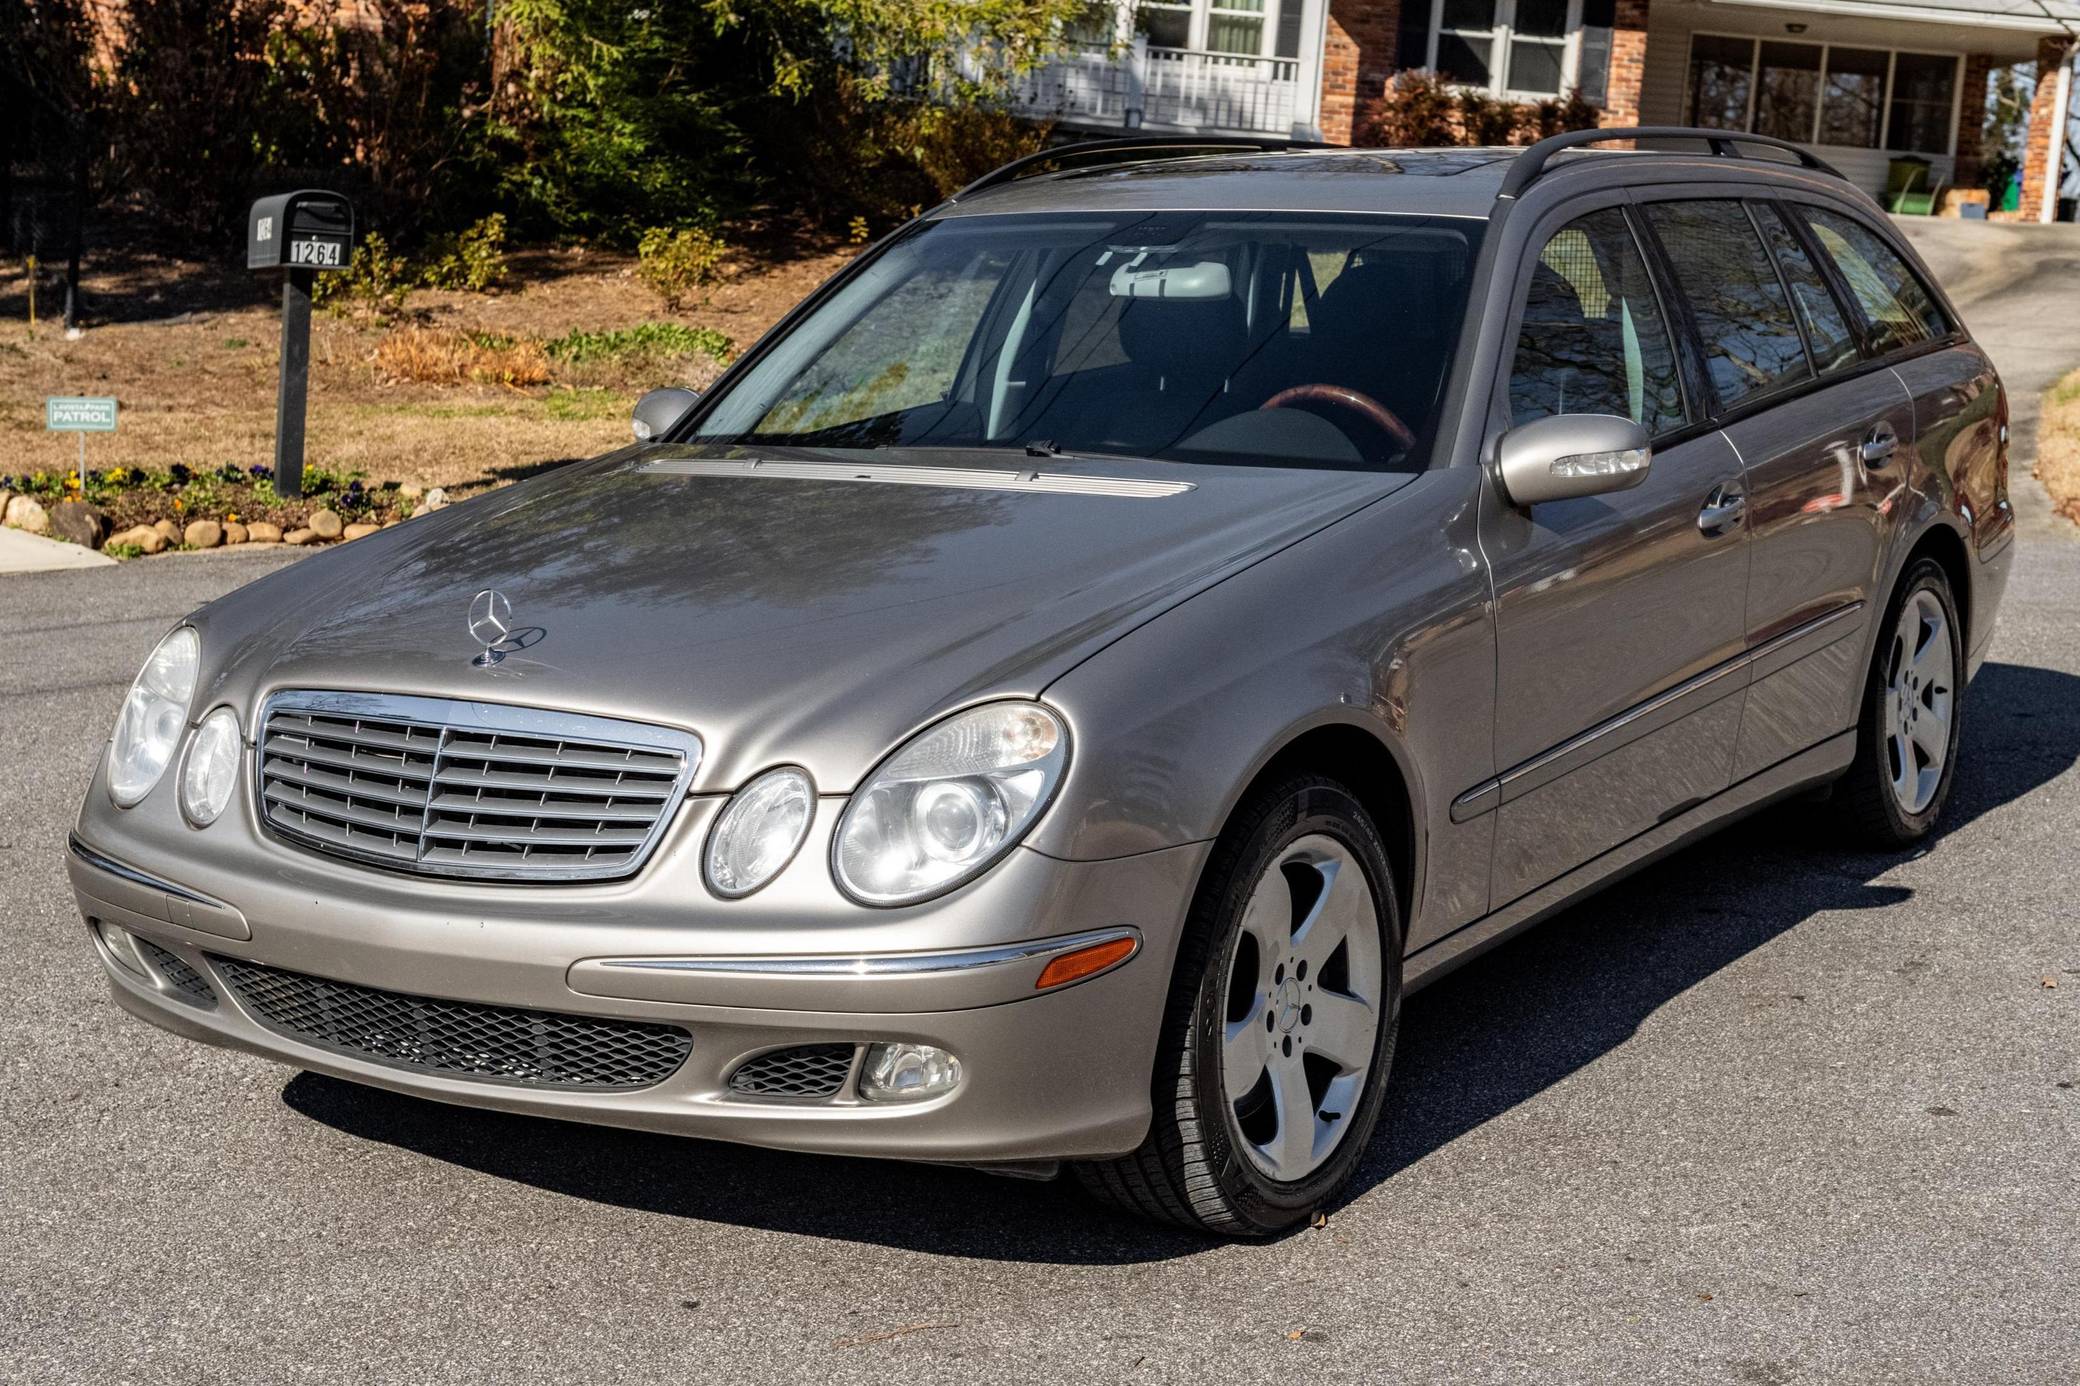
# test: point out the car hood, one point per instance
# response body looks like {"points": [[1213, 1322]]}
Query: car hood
{"points": [[794, 607]]}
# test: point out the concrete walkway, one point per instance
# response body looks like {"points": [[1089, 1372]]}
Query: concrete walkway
{"points": [[23, 552], [2018, 288]]}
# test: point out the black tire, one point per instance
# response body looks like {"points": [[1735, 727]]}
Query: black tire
{"points": [[1188, 1170], [1875, 816]]}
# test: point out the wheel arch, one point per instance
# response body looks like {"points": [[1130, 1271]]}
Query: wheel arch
{"points": [[1947, 548], [1372, 768]]}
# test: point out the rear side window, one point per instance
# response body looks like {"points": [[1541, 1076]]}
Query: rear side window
{"points": [[1827, 330], [1744, 319], [1593, 339], [1898, 305]]}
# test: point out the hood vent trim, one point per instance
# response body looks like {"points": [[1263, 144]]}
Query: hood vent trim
{"points": [[896, 474]]}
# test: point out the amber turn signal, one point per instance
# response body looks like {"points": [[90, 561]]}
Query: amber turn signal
{"points": [[1074, 967]]}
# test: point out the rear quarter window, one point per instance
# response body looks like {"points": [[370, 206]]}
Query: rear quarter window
{"points": [[1901, 310]]}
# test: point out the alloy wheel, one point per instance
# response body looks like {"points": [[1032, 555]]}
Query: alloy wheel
{"points": [[1301, 1019], [1920, 671]]}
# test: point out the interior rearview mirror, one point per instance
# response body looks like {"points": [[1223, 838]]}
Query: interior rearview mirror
{"points": [[658, 410], [1571, 455]]}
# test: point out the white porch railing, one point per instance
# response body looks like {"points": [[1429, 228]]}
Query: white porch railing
{"points": [[1170, 91]]}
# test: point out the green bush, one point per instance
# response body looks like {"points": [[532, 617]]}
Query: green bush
{"points": [[656, 340], [1420, 110], [674, 264], [372, 288], [473, 260]]}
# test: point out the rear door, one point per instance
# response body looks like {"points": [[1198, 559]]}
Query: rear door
{"points": [[1823, 438], [1956, 395], [1617, 616]]}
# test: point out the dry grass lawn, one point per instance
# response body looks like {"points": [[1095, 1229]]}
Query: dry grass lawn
{"points": [[2058, 446], [190, 353]]}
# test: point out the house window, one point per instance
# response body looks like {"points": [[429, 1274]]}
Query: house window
{"points": [[1238, 29], [1787, 90], [1923, 88], [1525, 49], [1811, 93]]}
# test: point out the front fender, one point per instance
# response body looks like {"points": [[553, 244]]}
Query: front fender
{"points": [[1379, 622]]}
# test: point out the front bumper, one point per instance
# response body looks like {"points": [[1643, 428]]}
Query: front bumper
{"points": [[1048, 1075]]}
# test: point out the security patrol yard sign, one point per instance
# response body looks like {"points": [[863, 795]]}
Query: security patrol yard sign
{"points": [[79, 414]]}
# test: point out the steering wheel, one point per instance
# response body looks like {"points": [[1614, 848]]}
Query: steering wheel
{"points": [[1343, 397]]}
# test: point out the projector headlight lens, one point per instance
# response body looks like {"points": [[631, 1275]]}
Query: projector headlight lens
{"points": [[949, 803]]}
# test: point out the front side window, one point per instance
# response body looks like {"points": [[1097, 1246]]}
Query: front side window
{"points": [[1744, 319], [1593, 340], [1897, 305], [1254, 338]]}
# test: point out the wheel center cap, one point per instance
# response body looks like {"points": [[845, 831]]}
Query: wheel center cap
{"points": [[1286, 1001]]}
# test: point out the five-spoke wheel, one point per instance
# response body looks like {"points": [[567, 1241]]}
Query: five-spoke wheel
{"points": [[1906, 742], [1302, 1015], [1280, 1030]]}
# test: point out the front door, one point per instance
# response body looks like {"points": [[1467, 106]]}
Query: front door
{"points": [[1620, 619]]}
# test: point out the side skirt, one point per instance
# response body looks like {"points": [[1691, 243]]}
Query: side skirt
{"points": [[1815, 765]]}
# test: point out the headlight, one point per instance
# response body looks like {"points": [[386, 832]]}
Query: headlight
{"points": [[154, 713], [759, 832], [211, 770], [954, 799]]}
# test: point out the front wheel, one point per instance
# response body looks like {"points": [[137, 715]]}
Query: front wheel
{"points": [[1906, 741], [1281, 1025]]}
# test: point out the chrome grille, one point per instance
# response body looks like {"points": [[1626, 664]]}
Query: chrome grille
{"points": [[182, 981], [806, 1070], [542, 1049], [469, 789]]}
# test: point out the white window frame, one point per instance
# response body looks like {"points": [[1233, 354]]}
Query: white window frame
{"points": [[1892, 55], [1498, 52], [1202, 14]]}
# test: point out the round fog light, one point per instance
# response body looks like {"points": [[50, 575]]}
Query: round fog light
{"points": [[123, 948], [902, 1072]]}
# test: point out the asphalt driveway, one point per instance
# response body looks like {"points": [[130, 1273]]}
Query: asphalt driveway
{"points": [[1766, 1113]]}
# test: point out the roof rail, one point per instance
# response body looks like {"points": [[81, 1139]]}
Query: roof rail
{"points": [[1532, 162], [1153, 146]]}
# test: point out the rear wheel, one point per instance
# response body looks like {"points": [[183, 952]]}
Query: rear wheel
{"points": [[1281, 1025], [1906, 743]]}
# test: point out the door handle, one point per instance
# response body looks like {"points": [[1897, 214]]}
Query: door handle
{"points": [[1879, 444], [1722, 510]]}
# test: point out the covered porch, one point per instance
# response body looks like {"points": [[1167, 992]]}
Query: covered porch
{"points": [[1226, 67], [1864, 83]]}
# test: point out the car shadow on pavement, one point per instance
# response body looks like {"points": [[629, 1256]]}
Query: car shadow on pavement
{"points": [[1490, 1036]]}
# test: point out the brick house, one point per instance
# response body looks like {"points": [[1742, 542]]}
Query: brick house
{"points": [[1862, 81]]}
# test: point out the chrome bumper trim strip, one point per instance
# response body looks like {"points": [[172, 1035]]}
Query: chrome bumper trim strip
{"points": [[880, 964]]}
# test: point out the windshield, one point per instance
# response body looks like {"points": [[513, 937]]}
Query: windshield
{"points": [[1262, 338]]}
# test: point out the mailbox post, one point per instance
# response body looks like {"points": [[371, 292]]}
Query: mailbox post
{"points": [[301, 234]]}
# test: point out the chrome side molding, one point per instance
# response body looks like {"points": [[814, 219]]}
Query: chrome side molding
{"points": [[1606, 736]]}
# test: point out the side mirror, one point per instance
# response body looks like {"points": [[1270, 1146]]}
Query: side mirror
{"points": [[1571, 455], [658, 410]]}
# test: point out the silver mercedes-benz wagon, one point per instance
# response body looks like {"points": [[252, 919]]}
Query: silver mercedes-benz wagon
{"points": [[1052, 699]]}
